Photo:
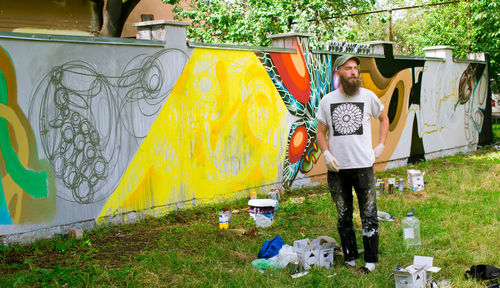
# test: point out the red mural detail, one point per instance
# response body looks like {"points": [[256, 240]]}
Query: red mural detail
{"points": [[297, 144], [293, 72]]}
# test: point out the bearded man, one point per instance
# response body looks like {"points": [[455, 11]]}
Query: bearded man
{"points": [[345, 116]]}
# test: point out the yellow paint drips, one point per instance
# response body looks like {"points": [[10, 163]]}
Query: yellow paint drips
{"points": [[221, 131]]}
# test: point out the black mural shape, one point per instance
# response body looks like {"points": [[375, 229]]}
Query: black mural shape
{"points": [[486, 135], [415, 88], [80, 115], [417, 153], [393, 106], [388, 67]]}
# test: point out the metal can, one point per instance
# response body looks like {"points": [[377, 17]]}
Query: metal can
{"points": [[294, 267]]}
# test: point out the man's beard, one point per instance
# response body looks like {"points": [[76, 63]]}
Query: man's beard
{"points": [[350, 88]]}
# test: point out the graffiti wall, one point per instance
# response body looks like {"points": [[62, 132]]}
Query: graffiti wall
{"points": [[99, 132]]}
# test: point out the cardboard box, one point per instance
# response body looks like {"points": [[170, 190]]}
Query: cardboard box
{"points": [[415, 179], [417, 274], [317, 252]]}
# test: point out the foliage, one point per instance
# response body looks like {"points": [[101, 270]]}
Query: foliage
{"points": [[486, 33], [250, 22]]}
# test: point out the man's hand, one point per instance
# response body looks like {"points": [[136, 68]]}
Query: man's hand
{"points": [[378, 150], [331, 162]]}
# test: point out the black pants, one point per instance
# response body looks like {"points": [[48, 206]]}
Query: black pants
{"points": [[341, 184]]}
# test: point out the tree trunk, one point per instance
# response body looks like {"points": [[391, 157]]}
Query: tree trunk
{"points": [[96, 22], [114, 16]]}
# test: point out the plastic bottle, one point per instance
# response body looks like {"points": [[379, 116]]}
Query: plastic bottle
{"points": [[274, 196], [411, 230]]}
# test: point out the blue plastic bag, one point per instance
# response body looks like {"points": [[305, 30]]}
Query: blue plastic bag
{"points": [[271, 248]]}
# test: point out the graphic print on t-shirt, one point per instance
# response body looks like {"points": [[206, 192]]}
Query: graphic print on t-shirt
{"points": [[347, 118]]}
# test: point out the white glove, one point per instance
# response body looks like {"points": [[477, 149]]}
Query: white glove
{"points": [[331, 162], [378, 150]]}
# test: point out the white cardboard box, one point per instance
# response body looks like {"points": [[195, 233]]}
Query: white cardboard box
{"points": [[415, 179], [314, 253], [417, 274]]}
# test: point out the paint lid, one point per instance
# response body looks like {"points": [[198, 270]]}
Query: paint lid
{"points": [[262, 203]]}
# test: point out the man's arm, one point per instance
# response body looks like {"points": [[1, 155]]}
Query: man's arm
{"points": [[330, 161], [384, 127], [382, 134], [321, 136]]}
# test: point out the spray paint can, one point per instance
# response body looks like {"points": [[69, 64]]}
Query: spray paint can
{"points": [[294, 267], [401, 184]]}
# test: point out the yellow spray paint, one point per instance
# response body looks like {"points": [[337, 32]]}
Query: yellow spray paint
{"points": [[221, 131]]}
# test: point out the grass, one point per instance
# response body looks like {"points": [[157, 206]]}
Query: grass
{"points": [[458, 210]]}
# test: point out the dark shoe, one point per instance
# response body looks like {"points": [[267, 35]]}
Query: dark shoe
{"points": [[363, 270], [348, 266]]}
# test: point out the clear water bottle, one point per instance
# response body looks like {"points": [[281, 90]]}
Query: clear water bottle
{"points": [[274, 195], [411, 230]]}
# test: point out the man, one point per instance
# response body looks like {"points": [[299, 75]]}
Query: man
{"points": [[345, 115]]}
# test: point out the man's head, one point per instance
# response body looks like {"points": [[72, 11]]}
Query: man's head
{"points": [[347, 67]]}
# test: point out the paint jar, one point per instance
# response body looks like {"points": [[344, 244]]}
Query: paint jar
{"points": [[262, 207], [223, 221], [253, 194]]}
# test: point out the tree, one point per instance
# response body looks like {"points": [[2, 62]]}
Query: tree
{"points": [[486, 33], [251, 21], [468, 26], [109, 16]]}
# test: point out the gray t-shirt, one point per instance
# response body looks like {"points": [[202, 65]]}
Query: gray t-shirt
{"points": [[349, 126]]}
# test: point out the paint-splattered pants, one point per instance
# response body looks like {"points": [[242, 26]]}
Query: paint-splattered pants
{"points": [[341, 184]]}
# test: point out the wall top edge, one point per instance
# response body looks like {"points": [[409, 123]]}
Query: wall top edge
{"points": [[401, 57], [79, 39], [316, 51], [160, 22], [438, 48], [239, 47], [378, 42], [462, 60], [289, 34]]}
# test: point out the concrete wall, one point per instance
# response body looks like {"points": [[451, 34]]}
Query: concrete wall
{"points": [[98, 131]]}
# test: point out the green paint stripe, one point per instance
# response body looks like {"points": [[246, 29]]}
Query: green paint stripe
{"points": [[34, 183]]}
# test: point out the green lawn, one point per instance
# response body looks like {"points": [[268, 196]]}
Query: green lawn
{"points": [[458, 210]]}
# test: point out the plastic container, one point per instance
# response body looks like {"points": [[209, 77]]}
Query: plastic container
{"points": [[253, 194], [223, 221], [274, 196], [411, 230], [262, 207]]}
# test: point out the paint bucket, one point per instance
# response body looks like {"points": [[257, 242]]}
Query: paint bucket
{"points": [[264, 207], [223, 221]]}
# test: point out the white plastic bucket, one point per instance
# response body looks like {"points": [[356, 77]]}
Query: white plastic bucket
{"points": [[262, 206]]}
